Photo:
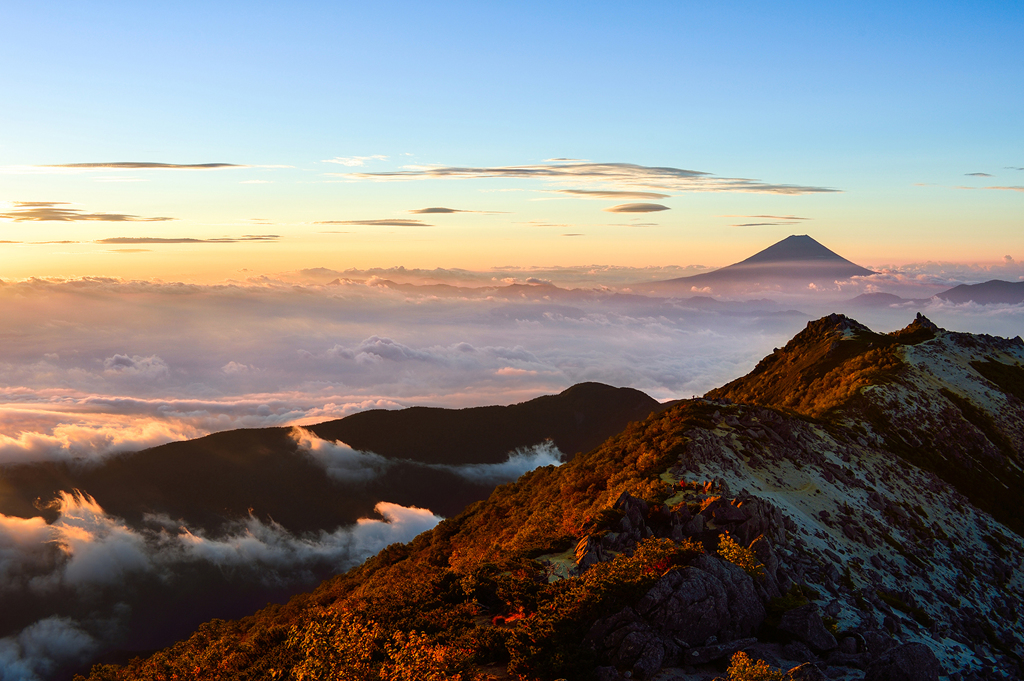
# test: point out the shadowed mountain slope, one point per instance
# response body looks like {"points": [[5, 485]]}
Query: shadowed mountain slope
{"points": [[576, 420], [707, 529], [224, 476], [795, 263]]}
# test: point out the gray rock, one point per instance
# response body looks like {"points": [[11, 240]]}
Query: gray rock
{"points": [[808, 671], [855, 660], [805, 623], [608, 674], [709, 598], [650, 652], [848, 645], [798, 652], [628, 641], [762, 549], [908, 662], [694, 526], [770, 653], [588, 552], [705, 654]]}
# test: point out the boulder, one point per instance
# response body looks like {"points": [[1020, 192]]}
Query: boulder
{"points": [[797, 651], [643, 652], [855, 660], [628, 641], [709, 598], [588, 552], [848, 646], [805, 623], [808, 671], [908, 662], [769, 583]]}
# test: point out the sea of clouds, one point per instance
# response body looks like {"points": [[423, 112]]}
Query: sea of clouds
{"points": [[94, 366]]}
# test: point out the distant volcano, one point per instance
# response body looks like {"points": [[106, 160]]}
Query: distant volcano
{"points": [[795, 263]]}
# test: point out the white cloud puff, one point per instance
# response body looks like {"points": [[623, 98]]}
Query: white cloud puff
{"points": [[42, 648], [340, 461], [520, 461]]}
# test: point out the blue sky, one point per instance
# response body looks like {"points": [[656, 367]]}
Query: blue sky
{"points": [[891, 105]]}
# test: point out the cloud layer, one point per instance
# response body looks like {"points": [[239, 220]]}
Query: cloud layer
{"points": [[91, 367], [99, 573]]}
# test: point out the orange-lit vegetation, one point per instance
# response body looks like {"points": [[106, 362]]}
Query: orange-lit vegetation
{"points": [[742, 668], [816, 373], [740, 556], [432, 606]]}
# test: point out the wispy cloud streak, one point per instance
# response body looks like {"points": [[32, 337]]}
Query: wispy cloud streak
{"points": [[143, 165], [187, 240], [384, 222], [654, 177], [53, 211], [636, 208]]}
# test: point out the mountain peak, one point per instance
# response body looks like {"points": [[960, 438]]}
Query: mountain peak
{"points": [[798, 263], [794, 248]]}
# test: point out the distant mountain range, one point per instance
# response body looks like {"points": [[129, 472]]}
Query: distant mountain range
{"points": [[993, 292], [795, 263], [989, 293], [223, 477]]}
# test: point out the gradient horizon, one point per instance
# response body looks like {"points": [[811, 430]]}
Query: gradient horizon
{"points": [[889, 134]]}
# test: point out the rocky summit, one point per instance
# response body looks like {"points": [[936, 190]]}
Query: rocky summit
{"points": [[851, 509]]}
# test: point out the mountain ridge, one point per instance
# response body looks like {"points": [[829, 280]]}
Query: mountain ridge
{"points": [[795, 534]]}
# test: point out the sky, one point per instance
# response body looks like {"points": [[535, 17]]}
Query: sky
{"points": [[199, 143], [227, 215]]}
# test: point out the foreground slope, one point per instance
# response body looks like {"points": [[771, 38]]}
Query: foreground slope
{"points": [[797, 534]]}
